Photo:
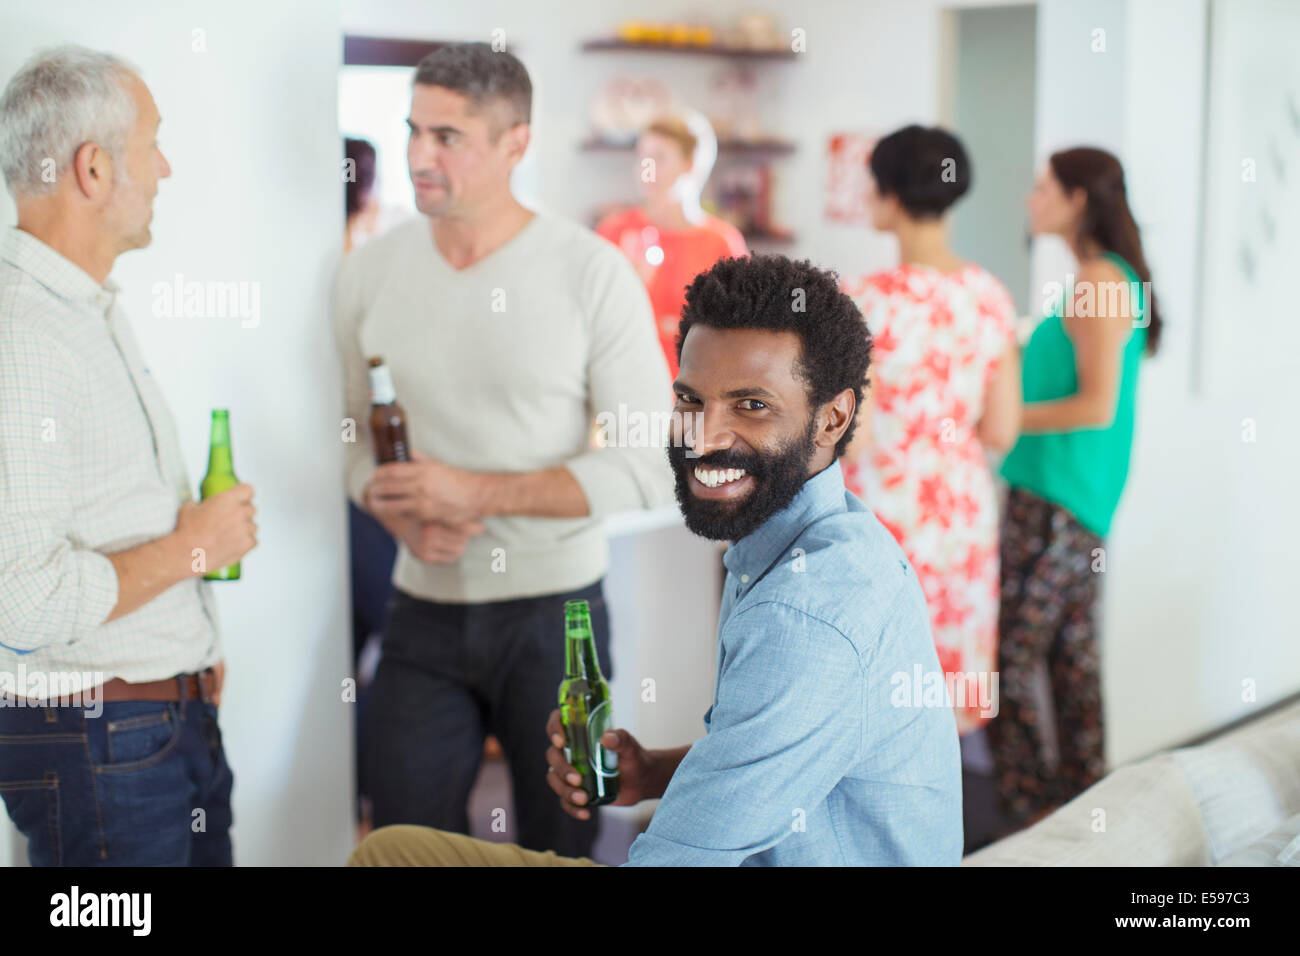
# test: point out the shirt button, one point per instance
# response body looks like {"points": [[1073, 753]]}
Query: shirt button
{"points": [[744, 579]]}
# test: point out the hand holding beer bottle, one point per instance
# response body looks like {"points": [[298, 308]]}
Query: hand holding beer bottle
{"points": [[392, 496], [586, 751], [222, 526], [234, 532], [637, 769]]}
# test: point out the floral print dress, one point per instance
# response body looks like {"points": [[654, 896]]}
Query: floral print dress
{"points": [[938, 339]]}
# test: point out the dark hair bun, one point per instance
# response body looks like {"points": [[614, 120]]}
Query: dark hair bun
{"points": [[925, 167]]}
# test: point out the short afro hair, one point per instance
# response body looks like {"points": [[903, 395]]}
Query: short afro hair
{"points": [[927, 169], [783, 295]]}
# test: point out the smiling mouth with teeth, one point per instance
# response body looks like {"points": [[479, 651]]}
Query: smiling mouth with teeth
{"points": [[713, 477]]}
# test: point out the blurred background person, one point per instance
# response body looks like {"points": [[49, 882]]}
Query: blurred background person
{"points": [[1066, 474], [362, 201], [946, 388], [372, 552], [669, 238]]}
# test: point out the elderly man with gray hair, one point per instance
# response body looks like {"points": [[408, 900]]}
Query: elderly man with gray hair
{"points": [[110, 656]]}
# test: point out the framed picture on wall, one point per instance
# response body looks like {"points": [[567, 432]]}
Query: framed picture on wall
{"points": [[846, 177]]}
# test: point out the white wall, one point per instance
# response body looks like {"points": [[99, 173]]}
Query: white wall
{"points": [[1203, 553], [250, 129]]}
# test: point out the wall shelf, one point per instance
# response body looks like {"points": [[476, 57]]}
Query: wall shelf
{"points": [[732, 52], [764, 147]]}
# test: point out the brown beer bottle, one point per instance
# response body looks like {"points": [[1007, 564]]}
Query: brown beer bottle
{"points": [[387, 418]]}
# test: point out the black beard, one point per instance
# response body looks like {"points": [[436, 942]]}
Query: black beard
{"points": [[777, 477]]}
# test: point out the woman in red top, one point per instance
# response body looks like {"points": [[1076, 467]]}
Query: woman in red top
{"points": [[669, 239]]}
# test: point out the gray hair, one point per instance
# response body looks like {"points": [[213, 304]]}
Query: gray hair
{"points": [[61, 99], [482, 75]]}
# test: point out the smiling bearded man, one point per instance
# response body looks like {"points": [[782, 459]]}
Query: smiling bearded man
{"points": [[811, 755]]}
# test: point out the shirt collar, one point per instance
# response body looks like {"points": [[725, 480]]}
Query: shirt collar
{"points": [[750, 557], [57, 273]]}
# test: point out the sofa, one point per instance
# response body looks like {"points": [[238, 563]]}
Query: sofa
{"points": [[1232, 801]]}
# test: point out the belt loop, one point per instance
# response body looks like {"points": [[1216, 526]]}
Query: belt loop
{"points": [[180, 680]]}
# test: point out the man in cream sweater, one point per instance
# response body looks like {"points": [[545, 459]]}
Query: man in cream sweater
{"points": [[506, 333]]}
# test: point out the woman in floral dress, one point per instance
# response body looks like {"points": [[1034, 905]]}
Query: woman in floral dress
{"points": [[946, 387]]}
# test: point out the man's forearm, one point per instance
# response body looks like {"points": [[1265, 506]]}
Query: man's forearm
{"points": [[146, 571], [665, 765], [550, 493]]}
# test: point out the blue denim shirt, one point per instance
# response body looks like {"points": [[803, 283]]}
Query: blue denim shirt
{"points": [[810, 756]]}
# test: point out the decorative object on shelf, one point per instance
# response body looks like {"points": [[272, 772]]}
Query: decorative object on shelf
{"points": [[733, 105], [846, 177], [742, 196], [674, 34], [625, 105], [753, 34], [756, 31]]}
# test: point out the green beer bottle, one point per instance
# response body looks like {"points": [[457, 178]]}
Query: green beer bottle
{"points": [[585, 709], [220, 476]]}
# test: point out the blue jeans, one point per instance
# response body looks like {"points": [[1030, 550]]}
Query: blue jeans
{"points": [[452, 673], [142, 784]]}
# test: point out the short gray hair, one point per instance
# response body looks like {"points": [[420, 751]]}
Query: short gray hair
{"points": [[61, 99], [482, 75]]}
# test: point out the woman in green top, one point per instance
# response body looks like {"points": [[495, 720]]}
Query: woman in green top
{"points": [[1066, 473]]}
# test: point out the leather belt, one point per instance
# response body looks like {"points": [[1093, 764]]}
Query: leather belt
{"points": [[201, 686]]}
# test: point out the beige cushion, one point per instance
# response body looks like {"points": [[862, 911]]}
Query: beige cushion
{"points": [[1139, 815], [1190, 807], [1246, 783], [1279, 848]]}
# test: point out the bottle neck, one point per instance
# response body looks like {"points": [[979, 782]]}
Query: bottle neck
{"points": [[580, 657], [382, 391], [219, 457]]}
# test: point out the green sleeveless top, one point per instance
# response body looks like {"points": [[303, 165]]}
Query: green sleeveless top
{"points": [[1082, 470]]}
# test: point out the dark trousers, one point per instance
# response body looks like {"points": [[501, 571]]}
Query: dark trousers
{"points": [[141, 784], [452, 673], [1049, 603], [373, 553]]}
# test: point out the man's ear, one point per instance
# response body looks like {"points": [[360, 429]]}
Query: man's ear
{"points": [[519, 134], [835, 417], [92, 170]]}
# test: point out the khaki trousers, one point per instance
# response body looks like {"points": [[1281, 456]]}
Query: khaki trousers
{"points": [[405, 845]]}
